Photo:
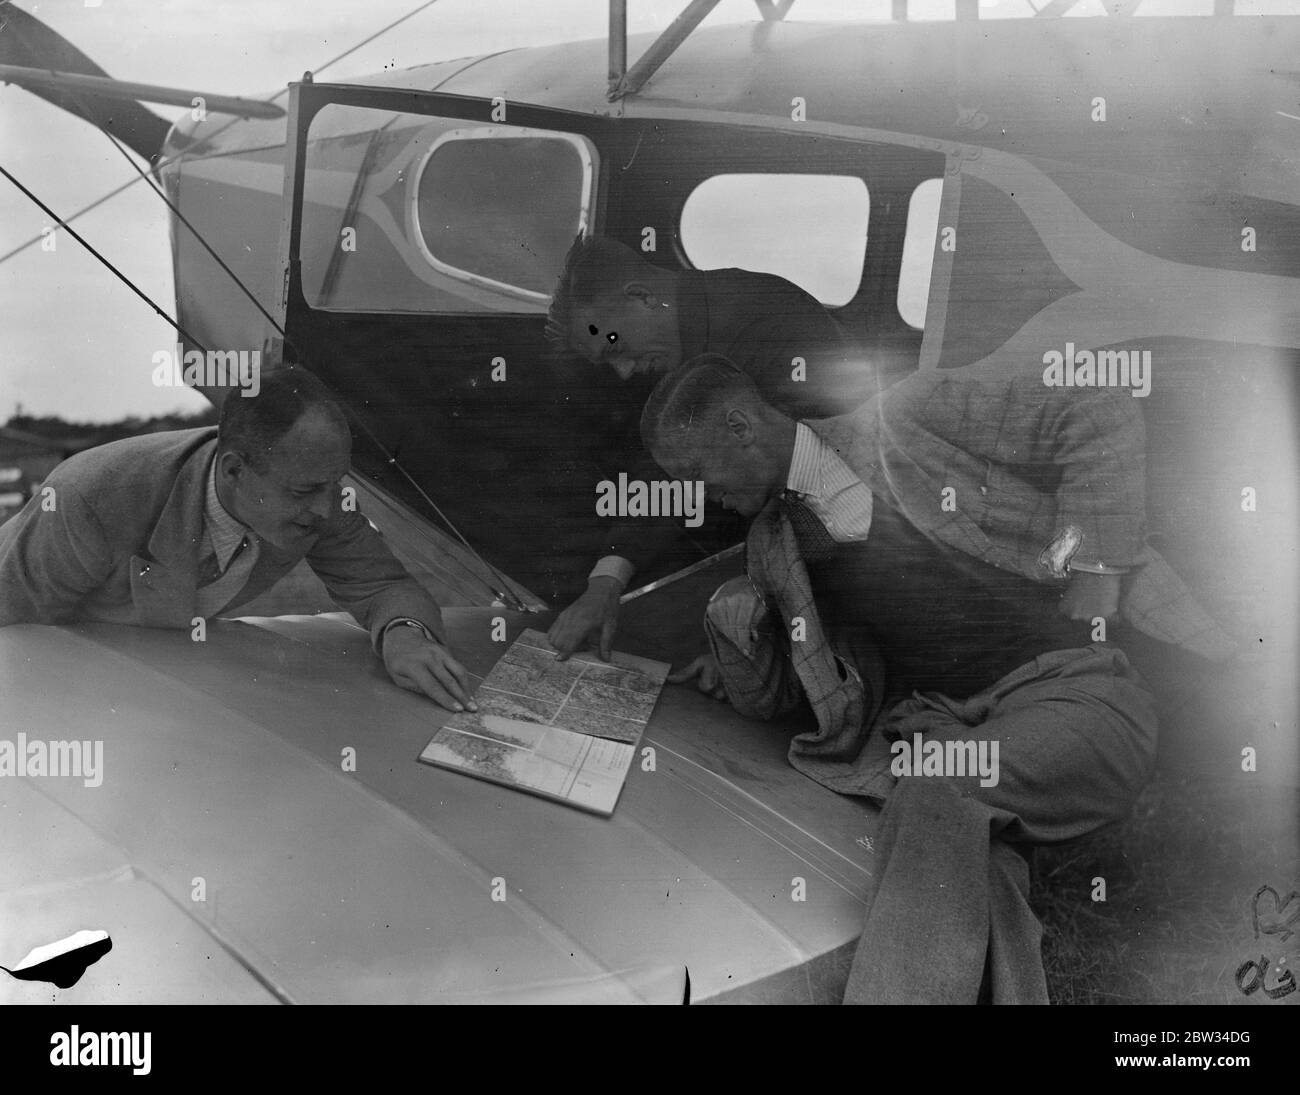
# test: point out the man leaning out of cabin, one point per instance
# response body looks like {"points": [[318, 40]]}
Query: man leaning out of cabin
{"points": [[614, 308], [912, 577], [162, 529]]}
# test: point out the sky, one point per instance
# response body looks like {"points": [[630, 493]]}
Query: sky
{"points": [[72, 338]]}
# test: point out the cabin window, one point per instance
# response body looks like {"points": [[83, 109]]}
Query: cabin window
{"points": [[500, 207], [410, 212], [918, 252], [809, 229]]}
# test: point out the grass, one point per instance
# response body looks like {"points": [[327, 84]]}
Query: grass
{"points": [[1180, 874]]}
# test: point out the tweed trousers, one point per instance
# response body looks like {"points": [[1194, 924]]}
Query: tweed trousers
{"points": [[947, 909]]}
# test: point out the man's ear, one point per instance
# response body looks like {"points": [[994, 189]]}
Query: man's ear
{"points": [[230, 464], [640, 292], [740, 426]]}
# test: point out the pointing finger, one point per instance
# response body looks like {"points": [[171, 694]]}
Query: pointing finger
{"points": [[455, 678], [420, 679]]}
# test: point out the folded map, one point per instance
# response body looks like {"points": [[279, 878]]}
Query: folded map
{"points": [[563, 730]]}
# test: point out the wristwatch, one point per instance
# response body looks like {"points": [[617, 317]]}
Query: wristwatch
{"points": [[405, 621], [1095, 568]]}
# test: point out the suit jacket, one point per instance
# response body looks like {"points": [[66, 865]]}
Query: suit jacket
{"points": [[125, 538], [1024, 462], [762, 322]]}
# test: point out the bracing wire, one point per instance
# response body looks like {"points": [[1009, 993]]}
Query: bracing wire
{"points": [[220, 129], [503, 593]]}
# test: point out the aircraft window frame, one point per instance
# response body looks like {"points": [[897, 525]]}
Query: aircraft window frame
{"points": [[588, 156], [904, 282], [683, 247]]}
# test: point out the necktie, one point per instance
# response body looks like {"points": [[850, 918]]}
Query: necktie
{"points": [[837, 695], [815, 543], [216, 595]]}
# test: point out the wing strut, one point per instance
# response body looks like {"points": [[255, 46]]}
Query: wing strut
{"points": [[104, 87], [628, 81]]}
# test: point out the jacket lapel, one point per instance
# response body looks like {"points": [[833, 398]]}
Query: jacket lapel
{"points": [[272, 565], [899, 467], [164, 585]]}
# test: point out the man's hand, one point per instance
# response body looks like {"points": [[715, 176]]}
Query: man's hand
{"points": [[1088, 596], [419, 665], [705, 667], [594, 613]]}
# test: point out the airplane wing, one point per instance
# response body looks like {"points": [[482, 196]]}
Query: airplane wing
{"points": [[26, 42], [232, 858]]}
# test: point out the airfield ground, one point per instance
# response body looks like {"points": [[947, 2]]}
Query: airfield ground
{"points": [[1181, 874]]}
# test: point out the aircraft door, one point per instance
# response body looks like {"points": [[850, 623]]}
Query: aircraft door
{"points": [[424, 233]]}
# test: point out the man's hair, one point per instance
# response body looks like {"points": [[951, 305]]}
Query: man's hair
{"points": [[251, 426], [692, 395], [594, 267]]}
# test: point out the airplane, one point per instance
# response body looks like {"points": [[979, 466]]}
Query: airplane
{"points": [[978, 191]]}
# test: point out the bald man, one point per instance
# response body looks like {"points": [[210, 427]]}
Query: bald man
{"points": [[166, 528]]}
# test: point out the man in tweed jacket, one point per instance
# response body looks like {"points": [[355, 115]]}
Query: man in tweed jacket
{"points": [[930, 572]]}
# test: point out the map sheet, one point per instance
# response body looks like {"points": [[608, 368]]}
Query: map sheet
{"points": [[564, 730]]}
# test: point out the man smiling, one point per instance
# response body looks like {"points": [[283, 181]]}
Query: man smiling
{"points": [[163, 529]]}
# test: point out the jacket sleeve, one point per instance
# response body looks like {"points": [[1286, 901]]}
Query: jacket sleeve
{"points": [[643, 541], [1084, 446], [658, 546], [51, 558], [365, 578]]}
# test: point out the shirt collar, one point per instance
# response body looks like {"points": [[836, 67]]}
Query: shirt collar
{"points": [[805, 462], [224, 531]]}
